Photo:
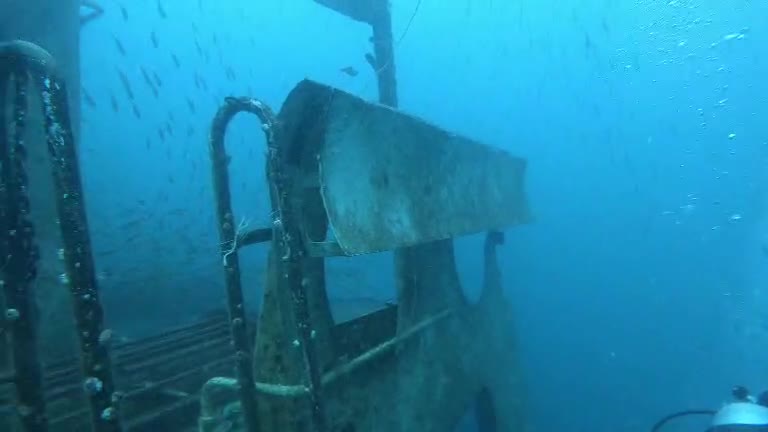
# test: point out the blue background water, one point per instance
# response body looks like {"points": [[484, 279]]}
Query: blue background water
{"points": [[638, 289]]}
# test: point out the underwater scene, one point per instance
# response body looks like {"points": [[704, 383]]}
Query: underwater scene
{"points": [[383, 216]]}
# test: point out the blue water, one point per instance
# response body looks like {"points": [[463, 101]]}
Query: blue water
{"points": [[639, 288]]}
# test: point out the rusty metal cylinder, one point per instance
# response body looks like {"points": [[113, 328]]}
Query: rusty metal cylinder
{"points": [[55, 26]]}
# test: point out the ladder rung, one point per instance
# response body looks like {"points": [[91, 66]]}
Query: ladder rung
{"points": [[260, 235]]}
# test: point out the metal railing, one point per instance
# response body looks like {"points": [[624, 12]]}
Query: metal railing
{"points": [[29, 71]]}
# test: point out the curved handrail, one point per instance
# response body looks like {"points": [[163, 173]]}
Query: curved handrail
{"points": [[287, 242], [230, 241]]}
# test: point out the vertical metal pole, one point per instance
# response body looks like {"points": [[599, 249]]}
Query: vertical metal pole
{"points": [[378, 15], [288, 247], [384, 54], [18, 254], [78, 258], [230, 237], [31, 60]]}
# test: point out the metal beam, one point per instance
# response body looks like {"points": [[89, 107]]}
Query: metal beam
{"points": [[358, 10], [389, 180]]}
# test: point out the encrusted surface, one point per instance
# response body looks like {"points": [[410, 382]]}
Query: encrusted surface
{"points": [[390, 180]]}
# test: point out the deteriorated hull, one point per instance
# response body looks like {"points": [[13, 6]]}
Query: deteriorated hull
{"points": [[389, 378], [389, 180], [417, 366]]}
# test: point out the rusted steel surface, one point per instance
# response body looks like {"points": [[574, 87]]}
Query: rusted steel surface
{"points": [[379, 179], [402, 369], [35, 72], [390, 180]]}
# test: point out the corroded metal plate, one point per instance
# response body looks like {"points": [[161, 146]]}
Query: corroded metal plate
{"points": [[390, 180]]}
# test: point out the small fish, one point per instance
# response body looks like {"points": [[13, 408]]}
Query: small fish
{"points": [[115, 105], [349, 70], [161, 10], [161, 134], [124, 12], [136, 112], [119, 45], [145, 75], [87, 98], [191, 105], [605, 26], [157, 79], [153, 38], [200, 82], [230, 73], [126, 84], [176, 61], [148, 81]]}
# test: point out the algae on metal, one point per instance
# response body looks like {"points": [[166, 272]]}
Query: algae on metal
{"points": [[55, 26], [390, 180], [33, 75], [424, 381], [415, 366]]}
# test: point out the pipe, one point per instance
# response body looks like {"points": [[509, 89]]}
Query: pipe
{"points": [[55, 26], [18, 252], [24, 59]]}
